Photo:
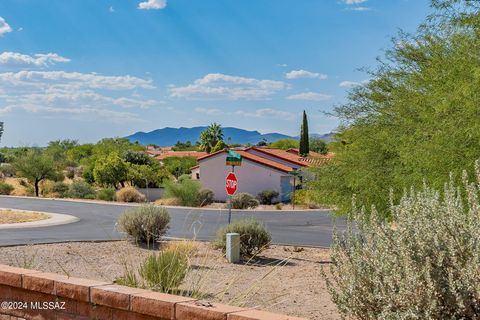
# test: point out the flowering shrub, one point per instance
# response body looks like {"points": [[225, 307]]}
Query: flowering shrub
{"points": [[423, 263]]}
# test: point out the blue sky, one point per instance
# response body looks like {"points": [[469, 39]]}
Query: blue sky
{"points": [[88, 69]]}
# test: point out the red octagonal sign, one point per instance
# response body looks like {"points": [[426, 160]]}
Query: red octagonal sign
{"points": [[231, 184]]}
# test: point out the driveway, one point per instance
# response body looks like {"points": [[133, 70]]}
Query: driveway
{"points": [[97, 222]]}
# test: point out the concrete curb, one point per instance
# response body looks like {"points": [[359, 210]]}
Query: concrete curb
{"points": [[126, 204], [54, 220]]}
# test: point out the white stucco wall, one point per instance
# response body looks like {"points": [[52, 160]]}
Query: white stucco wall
{"points": [[252, 177]]}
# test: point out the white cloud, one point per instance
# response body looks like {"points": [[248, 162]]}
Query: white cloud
{"points": [[360, 9], [312, 96], [77, 79], [111, 9], [74, 94], [209, 111], [4, 27], [152, 5], [296, 74], [350, 84], [84, 113], [38, 60], [266, 113], [349, 2], [221, 86]]}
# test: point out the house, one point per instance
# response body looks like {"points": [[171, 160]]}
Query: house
{"points": [[261, 169]]}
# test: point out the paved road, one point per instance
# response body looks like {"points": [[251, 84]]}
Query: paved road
{"points": [[97, 222]]}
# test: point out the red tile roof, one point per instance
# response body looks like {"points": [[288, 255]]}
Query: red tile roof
{"points": [[292, 156], [194, 154]]}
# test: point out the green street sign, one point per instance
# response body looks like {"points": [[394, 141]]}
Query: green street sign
{"points": [[295, 173], [233, 159]]}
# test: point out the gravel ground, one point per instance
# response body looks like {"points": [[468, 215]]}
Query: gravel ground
{"points": [[8, 216], [284, 279]]}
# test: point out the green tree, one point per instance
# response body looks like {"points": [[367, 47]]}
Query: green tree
{"points": [[318, 145], [285, 144], [210, 137], [110, 171], [417, 118], [36, 166], [178, 166], [219, 146], [137, 157], [304, 144]]}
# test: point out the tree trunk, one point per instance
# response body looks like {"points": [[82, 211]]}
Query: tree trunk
{"points": [[122, 183], [36, 188]]}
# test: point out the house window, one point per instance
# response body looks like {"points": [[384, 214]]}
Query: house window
{"points": [[197, 175]]}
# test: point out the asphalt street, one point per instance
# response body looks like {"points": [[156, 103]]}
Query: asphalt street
{"points": [[98, 222]]}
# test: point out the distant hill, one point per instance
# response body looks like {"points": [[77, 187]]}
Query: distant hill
{"points": [[170, 136]]}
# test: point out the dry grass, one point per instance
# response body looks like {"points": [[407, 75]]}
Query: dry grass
{"points": [[10, 216], [283, 280]]}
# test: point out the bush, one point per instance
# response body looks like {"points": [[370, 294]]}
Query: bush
{"points": [[107, 194], [130, 194], [244, 201], [267, 196], [423, 263], [165, 271], [54, 189], [5, 188], [205, 197], [80, 190], [254, 237], [145, 224], [186, 191]]}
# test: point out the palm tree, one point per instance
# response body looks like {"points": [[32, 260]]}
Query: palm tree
{"points": [[210, 137]]}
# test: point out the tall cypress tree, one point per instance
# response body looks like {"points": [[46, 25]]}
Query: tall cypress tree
{"points": [[304, 143]]}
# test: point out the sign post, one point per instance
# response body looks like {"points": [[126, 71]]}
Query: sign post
{"points": [[231, 182], [294, 174]]}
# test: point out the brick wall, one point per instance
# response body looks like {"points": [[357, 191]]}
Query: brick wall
{"points": [[31, 294]]}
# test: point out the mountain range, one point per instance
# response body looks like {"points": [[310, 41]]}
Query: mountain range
{"points": [[169, 136]]}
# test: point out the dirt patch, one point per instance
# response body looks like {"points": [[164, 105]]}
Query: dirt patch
{"points": [[11, 216], [283, 280]]}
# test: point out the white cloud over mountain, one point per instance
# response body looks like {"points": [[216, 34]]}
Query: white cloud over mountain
{"points": [[227, 87]]}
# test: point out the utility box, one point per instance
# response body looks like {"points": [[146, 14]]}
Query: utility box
{"points": [[233, 247]]}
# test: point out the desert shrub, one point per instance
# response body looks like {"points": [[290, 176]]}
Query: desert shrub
{"points": [[80, 190], [244, 201], [107, 194], [423, 263], [54, 188], [186, 191], [70, 172], [267, 196], [23, 183], [279, 206], [165, 271], [254, 236], [306, 198], [5, 188], [129, 194], [205, 197], [145, 224], [7, 170]]}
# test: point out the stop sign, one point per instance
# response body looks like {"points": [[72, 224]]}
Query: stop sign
{"points": [[231, 184]]}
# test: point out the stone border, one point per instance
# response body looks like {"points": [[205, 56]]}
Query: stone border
{"points": [[54, 219], [77, 298]]}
